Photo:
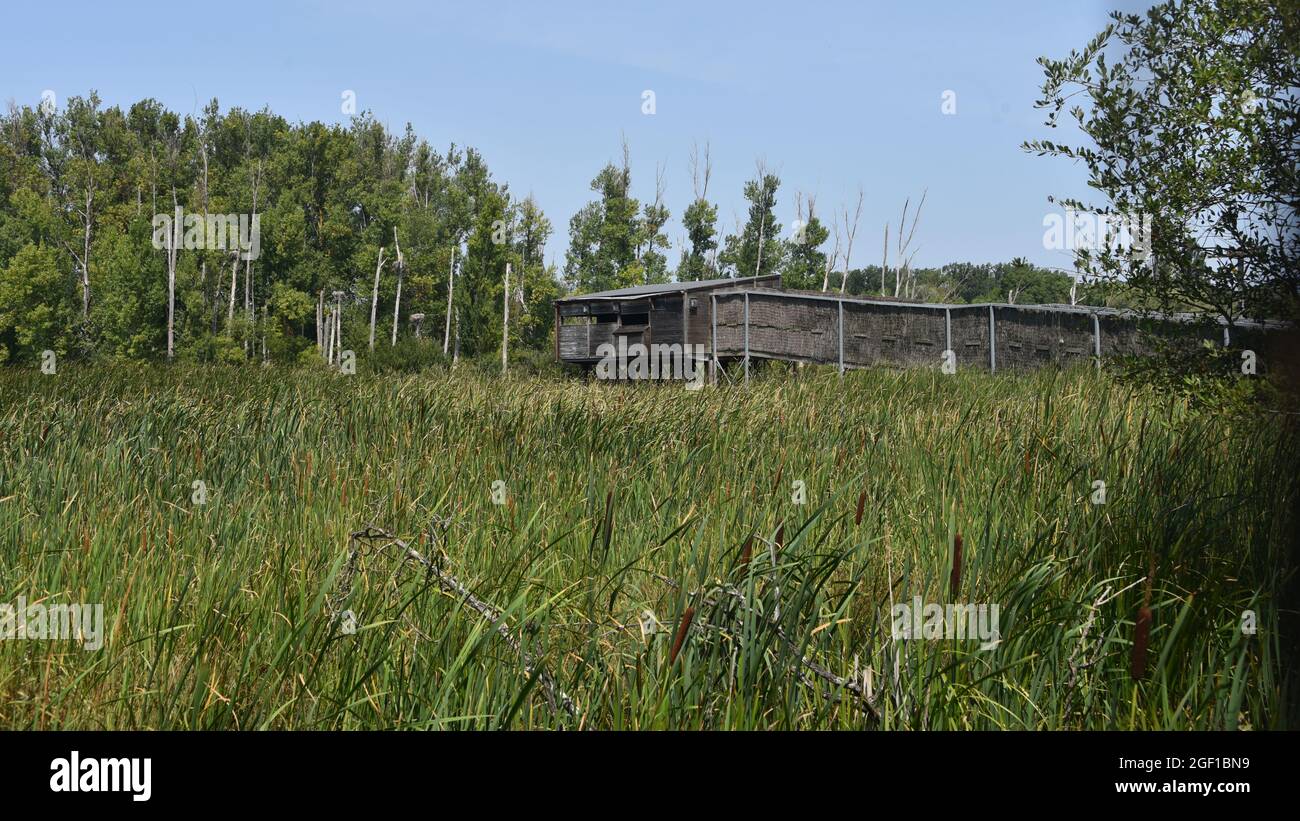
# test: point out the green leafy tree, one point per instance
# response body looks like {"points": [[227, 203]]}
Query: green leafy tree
{"points": [[1193, 120], [35, 311], [805, 262], [758, 249]]}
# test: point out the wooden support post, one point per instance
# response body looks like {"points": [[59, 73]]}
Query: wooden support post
{"points": [[713, 338], [747, 338], [947, 329], [841, 326], [686, 330], [993, 344]]}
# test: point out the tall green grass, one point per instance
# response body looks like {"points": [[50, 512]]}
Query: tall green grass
{"points": [[622, 499]]}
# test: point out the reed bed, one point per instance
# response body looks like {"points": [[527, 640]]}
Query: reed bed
{"points": [[648, 559]]}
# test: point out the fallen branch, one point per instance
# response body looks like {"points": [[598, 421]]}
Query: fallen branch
{"points": [[556, 698]]}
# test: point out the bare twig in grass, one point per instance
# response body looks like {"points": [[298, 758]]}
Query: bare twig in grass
{"points": [[556, 699], [712, 598], [1076, 666]]}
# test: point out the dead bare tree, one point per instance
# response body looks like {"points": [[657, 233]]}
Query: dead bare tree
{"points": [[830, 261], [761, 168], [505, 322], [250, 309], [701, 170], [451, 288], [884, 261], [173, 241], [904, 260], [401, 269], [234, 278], [850, 231], [374, 302]]}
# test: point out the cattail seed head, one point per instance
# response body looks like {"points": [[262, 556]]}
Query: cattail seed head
{"points": [[687, 616], [862, 501], [746, 552]]}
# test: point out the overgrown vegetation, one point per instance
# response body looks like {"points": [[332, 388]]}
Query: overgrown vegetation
{"points": [[620, 500]]}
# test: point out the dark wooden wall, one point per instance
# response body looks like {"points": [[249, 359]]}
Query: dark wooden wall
{"points": [[858, 333]]}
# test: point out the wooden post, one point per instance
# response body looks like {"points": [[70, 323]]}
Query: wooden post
{"points": [[841, 327], [947, 329], [556, 306], [713, 338], [747, 338], [993, 345], [686, 329]]}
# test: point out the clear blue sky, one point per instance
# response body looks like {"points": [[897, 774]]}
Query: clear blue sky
{"points": [[830, 95]]}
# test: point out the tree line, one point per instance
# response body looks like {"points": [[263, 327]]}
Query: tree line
{"points": [[86, 269]]}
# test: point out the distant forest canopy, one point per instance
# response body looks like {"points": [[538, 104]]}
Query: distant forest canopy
{"points": [[90, 266]]}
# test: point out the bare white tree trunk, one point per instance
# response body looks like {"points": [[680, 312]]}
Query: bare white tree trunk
{"points": [[904, 261], [85, 255], [884, 261], [850, 231], [451, 285], [171, 280], [329, 338], [505, 322], [830, 261], [234, 278], [401, 268], [374, 301], [338, 328]]}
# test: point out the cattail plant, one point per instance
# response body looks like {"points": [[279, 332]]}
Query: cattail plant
{"points": [[746, 553], [1142, 628], [684, 625], [862, 501]]}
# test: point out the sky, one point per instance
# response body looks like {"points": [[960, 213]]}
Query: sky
{"points": [[829, 96]]}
